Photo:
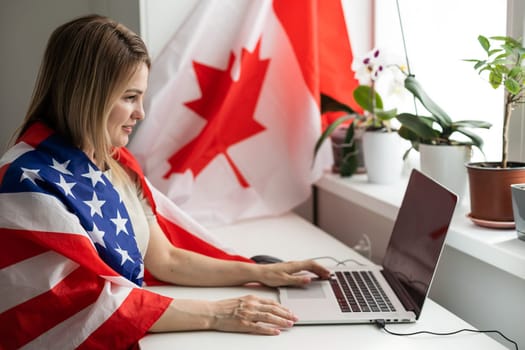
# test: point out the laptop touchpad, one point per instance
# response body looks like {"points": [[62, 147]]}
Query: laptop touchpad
{"points": [[314, 290]]}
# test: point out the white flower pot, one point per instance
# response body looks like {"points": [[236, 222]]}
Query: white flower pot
{"points": [[446, 165], [383, 156]]}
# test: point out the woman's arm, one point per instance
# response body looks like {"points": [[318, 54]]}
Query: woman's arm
{"points": [[247, 314], [178, 266]]}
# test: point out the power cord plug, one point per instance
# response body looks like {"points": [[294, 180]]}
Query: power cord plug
{"points": [[380, 324]]}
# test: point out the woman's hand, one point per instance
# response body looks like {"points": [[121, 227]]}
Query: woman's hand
{"points": [[251, 314], [248, 314], [291, 273]]}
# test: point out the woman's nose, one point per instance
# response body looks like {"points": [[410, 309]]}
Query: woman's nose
{"points": [[139, 112]]}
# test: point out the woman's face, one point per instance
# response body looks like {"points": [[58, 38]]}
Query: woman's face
{"points": [[129, 108]]}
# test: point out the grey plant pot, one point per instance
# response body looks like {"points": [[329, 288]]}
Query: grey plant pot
{"points": [[518, 208]]}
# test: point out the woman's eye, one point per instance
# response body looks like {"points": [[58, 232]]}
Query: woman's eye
{"points": [[130, 98]]}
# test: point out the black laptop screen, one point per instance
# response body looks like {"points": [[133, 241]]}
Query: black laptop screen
{"points": [[418, 236]]}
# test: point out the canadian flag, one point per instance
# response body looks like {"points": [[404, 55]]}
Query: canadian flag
{"points": [[233, 112]]}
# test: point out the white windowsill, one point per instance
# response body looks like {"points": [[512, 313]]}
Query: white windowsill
{"points": [[498, 247]]}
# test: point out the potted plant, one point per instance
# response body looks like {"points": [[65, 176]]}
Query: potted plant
{"points": [[382, 148], [373, 124], [442, 154], [490, 193]]}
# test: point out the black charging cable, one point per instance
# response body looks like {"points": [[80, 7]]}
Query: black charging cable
{"points": [[382, 325]]}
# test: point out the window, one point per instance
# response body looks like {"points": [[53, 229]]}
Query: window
{"points": [[438, 36]]}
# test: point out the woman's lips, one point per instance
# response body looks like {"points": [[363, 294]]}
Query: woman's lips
{"points": [[128, 129]]}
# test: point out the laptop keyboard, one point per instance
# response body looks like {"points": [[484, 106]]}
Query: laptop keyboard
{"points": [[359, 291]]}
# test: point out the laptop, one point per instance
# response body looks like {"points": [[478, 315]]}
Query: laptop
{"points": [[397, 290]]}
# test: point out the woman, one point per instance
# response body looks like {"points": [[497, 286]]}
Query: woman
{"points": [[75, 263]]}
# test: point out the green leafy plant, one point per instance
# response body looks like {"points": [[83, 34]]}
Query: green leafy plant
{"points": [[374, 118], [377, 118], [368, 71], [504, 64], [436, 128], [349, 160]]}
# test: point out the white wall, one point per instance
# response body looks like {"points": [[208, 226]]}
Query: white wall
{"points": [[481, 294], [25, 26], [348, 222]]}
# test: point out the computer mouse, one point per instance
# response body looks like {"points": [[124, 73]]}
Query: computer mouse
{"points": [[265, 259]]}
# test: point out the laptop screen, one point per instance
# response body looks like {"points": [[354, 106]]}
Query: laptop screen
{"points": [[418, 237]]}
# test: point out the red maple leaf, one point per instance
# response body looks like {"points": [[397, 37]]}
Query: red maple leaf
{"points": [[228, 106]]}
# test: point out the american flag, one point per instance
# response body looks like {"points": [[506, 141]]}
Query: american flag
{"points": [[70, 268]]}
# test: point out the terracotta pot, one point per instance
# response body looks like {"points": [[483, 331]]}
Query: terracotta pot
{"points": [[490, 194]]}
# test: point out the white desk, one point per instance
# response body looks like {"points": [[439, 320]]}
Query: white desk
{"points": [[290, 237]]}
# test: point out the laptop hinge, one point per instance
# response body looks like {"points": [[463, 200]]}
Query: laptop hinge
{"points": [[401, 292]]}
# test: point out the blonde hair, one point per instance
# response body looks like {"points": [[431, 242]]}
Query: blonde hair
{"points": [[87, 64]]}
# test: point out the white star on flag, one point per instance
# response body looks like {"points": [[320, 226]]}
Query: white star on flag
{"points": [[66, 186], [94, 175], [95, 205], [30, 174], [61, 167], [97, 235], [120, 223], [124, 254], [141, 273]]}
